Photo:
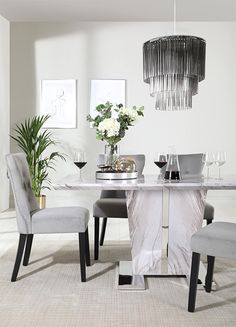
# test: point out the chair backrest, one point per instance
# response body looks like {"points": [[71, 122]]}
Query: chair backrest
{"points": [[25, 202], [140, 162], [190, 165]]}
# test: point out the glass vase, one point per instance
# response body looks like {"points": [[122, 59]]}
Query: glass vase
{"points": [[111, 154]]}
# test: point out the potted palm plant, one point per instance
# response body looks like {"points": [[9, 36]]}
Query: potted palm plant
{"points": [[34, 142]]}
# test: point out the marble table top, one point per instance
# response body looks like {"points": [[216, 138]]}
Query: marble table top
{"points": [[147, 182]]}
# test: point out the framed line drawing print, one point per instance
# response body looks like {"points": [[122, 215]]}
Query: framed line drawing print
{"points": [[103, 90], [58, 99]]}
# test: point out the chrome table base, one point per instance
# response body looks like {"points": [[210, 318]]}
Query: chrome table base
{"points": [[126, 281]]}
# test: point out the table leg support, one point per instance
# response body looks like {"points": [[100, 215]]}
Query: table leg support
{"points": [[186, 209], [145, 226]]}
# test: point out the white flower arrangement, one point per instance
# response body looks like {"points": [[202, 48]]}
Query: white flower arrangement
{"points": [[112, 121], [109, 126], [131, 113]]}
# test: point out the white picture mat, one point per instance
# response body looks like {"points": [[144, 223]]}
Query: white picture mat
{"points": [[106, 90], [58, 99]]}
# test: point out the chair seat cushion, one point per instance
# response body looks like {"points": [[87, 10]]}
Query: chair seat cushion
{"points": [[208, 212], [60, 220], [216, 239], [110, 207]]}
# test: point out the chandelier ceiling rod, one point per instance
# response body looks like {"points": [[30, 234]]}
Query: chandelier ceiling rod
{"points": [[174, 17]]}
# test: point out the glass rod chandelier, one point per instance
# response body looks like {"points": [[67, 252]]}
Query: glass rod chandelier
{"points": [[173, 66]]}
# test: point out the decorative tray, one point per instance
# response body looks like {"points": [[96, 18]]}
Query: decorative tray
{"points": [[116, 175]]}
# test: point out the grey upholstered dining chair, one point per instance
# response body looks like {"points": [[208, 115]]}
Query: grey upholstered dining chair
{"points": [[217, 239], [112, 204], [32, 220]]}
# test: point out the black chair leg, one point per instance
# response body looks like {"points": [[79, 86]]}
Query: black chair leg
{"points": [[82, 251], [209, 275], [28, 249], [104, 225], [96, 238], [20, 250], [193, 281], [87, 252]]}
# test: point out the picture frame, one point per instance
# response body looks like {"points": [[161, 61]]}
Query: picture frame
{"points": [[103, 90], [58, 99]]}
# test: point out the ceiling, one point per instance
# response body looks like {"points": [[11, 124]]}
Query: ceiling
{"points": [[117, 10]]}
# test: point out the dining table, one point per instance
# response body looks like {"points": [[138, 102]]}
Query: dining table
{"points": [[155, 205]]}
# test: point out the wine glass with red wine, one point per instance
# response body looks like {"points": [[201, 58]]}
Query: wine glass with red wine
{"points": [[160, 160], [80, 160]]}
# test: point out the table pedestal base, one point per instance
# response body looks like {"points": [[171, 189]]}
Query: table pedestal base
{"points": [[126, 281], [147, 213], [150, 214]]}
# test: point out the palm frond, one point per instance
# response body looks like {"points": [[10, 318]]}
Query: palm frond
{"points": [[33, 142]]}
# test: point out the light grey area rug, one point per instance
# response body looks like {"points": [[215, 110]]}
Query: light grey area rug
{"points": [[49, 293]]}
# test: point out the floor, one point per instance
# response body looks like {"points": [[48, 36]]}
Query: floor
{"points": [[49, 293]]}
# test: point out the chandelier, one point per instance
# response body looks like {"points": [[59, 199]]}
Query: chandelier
{"points": [[173, 66]]}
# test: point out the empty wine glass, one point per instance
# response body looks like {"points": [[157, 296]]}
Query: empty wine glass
{"points": [[208, 159], [160, 160], [79, 160], [220, 159]]}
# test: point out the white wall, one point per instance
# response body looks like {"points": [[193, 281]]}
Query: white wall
{"points": [[86, 51], [4, 110]]}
